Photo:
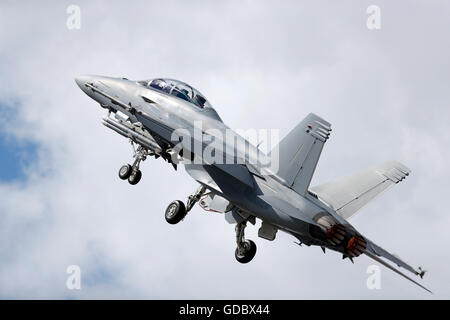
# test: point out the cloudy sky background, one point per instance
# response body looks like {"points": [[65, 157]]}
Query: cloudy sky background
{"points": [[262, 65]]}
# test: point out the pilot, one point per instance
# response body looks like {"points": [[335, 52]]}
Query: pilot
{"points": [[159, 84]]}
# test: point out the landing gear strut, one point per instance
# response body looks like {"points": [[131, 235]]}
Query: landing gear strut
{"points": [[194, 198], [246, 249], [132, 172], [176, 211]]}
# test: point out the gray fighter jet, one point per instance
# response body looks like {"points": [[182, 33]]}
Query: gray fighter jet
{"points": [[170, 119]]}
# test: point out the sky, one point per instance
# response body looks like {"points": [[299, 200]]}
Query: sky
{"points": [[262, 64]]}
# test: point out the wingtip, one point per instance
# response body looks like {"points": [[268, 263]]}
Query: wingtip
{"points": [[421, 272]]}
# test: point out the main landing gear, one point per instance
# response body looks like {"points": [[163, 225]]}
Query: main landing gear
{"points": [[132, 172], [176, 211], [246, 249]]}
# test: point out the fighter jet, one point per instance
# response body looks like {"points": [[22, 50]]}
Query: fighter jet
{"points": [[171, 120]]}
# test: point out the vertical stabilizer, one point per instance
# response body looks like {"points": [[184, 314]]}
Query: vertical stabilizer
{"points": [[300, 150]]}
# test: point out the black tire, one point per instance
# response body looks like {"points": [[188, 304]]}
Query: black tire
{"points": [[125, 171], [135, 178], [175, 212], [249, 254]]}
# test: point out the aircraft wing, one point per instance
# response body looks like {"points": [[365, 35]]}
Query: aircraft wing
{"points": [[349, 194], [377, 253], [157, 127]]}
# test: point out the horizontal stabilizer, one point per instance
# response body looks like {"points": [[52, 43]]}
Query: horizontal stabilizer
{"points": [[349, 194]]}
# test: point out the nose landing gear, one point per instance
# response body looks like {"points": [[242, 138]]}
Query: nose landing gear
{"points": [[132, 172], [125, 171]]}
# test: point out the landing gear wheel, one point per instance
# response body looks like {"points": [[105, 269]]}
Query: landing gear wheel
{"points": [[135, 177], [175, 212], [125, 171], [247, 252]]}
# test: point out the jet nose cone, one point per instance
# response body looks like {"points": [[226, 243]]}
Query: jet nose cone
{"points": [[81, 81]]}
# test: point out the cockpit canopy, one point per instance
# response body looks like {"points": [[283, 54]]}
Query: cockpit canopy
{"points": [[178, 89]]}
